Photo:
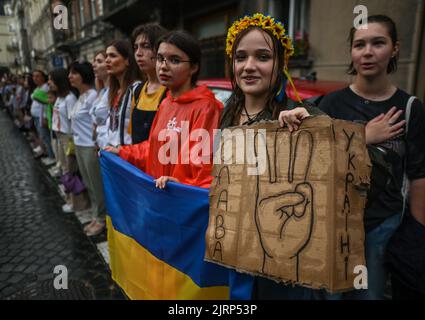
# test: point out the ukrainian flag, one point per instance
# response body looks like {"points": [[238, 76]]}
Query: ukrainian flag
{"points": [[156, 237]]}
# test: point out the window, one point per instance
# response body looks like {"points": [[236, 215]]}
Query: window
{"points": [[211, 31], [73, 17], [6, 10], [81, 10], [298, 17], [215, 26], [295, 15], [93, 11], [100, 5]]}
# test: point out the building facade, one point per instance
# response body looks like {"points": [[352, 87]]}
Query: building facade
{"points": [[9, 46], [40, 33], [87, 31], [319, 29]]}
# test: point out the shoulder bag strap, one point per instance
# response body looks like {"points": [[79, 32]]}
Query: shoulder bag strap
{"points": [[405, 186]]}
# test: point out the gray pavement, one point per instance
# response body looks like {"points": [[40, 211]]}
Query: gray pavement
{"points": [[36, 236]]}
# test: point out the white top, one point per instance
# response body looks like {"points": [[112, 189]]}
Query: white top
{"points": [[99, 113], [81, 121], [113, 134], [61, 115], [19, 97], [37, 108]]}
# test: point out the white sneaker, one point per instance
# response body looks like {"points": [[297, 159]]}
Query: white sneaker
{"points": [[37, 150], [56, 172], [67, 208], [84, 216], [49, 161]]}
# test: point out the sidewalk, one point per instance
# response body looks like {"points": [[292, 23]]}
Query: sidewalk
{"points": [[36, 236]]}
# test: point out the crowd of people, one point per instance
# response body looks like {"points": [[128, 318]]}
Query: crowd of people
{"points": [[132, 91]]}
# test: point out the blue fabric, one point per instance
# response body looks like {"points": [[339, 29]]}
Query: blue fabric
{"points": [[240, 285], [282, 94], [377, 274], [170, 223]]}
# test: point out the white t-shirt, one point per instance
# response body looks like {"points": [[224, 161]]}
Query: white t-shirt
{"points": [[37, 108], [81, 121], [19, 96], [99, 114], [61, 115]]}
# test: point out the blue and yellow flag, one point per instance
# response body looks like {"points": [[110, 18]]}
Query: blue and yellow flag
{"points": [[157, 237]]}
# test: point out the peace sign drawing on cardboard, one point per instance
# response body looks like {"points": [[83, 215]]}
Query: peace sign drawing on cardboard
{"points": [[295, 213]]}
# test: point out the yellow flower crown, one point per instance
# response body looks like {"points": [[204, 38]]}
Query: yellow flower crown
{"points": [[263, 22]]}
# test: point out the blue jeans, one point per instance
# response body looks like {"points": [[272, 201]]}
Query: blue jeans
{"points": [[375, 243], [37, 124], [45, 137]]}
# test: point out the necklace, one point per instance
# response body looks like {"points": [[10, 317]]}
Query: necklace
{"points": [[251, 117], [384, 94]]}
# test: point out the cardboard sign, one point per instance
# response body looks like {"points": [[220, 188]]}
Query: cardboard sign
{"points": [[295, 213]]}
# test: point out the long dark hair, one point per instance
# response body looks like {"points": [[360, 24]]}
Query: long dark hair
{"points": [[85, 70], [186, 43], [131, 74], [392, 31], [30, 82], [236, 101], [61, 81]]}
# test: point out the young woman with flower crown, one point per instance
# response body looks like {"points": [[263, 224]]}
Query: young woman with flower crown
{"points": [[259, 51]]}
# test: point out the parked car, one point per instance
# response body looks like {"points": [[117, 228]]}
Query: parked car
{"points": [[308, 90]]}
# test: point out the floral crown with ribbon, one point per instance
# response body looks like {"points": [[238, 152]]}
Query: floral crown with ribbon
{"points": [[266, 23]]}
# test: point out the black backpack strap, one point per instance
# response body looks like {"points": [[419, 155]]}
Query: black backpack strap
{"points": [[130, 92], [122, 115], [137, 92]]}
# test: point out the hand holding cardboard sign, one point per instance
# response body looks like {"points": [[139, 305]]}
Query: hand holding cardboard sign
{"points": [[285, 215]]}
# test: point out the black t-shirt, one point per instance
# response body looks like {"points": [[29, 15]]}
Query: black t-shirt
{"points": [[346, 105]]}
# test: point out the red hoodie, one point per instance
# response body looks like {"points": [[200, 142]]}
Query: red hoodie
{"points": [[174, 122]]}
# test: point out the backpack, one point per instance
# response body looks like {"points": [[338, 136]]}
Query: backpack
{"points": [[130, 93]]}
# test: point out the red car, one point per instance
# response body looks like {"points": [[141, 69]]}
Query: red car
{"points": [[310, 90]]}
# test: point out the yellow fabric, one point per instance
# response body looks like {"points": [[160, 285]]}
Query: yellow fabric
{"points": [[288, 76], [146, 102], [143, 276], [70, 148], [150, 102]]}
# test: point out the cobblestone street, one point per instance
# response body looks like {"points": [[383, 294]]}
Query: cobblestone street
{"points": [[36, 236]]}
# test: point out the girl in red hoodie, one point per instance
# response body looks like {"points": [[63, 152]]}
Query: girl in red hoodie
{"points": [[179, 147]]}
